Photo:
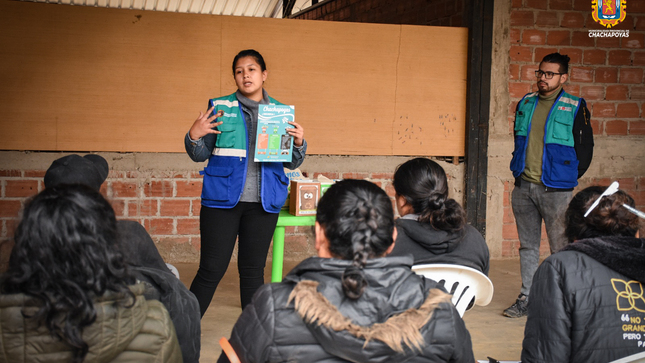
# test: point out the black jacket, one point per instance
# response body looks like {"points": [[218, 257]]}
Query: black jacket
{"points": [[397, 311], [587, 303], [428, 245]]}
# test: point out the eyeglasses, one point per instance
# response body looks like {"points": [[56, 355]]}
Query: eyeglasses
{"points": [[547, 75]]}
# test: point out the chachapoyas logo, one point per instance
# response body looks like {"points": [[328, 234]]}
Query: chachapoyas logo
{"points": [[608, 13]]}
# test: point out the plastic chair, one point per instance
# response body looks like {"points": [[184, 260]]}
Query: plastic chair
{"points": [[464, 283], [228, 350]]}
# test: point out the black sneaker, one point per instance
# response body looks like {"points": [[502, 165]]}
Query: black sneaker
{"points": [[519, 309]]}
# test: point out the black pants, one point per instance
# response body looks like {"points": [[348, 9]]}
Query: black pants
{"points": [[219, 229]]}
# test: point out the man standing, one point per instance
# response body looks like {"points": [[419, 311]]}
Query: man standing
{"points": [[553, 148]]}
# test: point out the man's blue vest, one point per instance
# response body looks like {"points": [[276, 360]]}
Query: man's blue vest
{"points": [[225, 175], [559, 159]]}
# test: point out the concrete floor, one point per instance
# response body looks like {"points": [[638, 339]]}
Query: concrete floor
{"points": [[492, 334]]}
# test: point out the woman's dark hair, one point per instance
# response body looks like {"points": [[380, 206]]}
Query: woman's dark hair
{"points": [[424, 185], [65, 255], [608, 218], [358, 221], [250, 53]]}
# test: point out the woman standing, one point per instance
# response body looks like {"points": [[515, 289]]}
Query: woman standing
{"points": [[432, 226], [352, 303], [240, 197], [587, 302]]}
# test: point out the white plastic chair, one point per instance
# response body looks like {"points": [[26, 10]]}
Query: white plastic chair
{"points": [[464, 283]]}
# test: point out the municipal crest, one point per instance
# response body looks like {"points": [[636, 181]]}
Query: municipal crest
{"points": [[608, 13]]}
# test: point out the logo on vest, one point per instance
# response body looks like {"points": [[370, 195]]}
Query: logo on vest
{"points": [[629, 295], [564, 108]]}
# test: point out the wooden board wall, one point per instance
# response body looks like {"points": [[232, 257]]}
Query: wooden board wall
{"points": [[78, 78]]}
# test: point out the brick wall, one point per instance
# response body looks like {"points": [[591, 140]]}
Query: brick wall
{"points": [[410, 12], [607, 72], [166, 200]]}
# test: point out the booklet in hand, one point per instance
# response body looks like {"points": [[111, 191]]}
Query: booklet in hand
{"points": [[273, 143]]}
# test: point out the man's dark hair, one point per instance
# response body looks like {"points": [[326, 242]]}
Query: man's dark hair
{"points": [[561, 59]]}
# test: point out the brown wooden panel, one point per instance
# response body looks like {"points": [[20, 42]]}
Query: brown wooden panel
{"points": [[95, 79]]}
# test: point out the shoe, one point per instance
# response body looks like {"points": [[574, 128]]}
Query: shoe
{"points": [[519, 309]]}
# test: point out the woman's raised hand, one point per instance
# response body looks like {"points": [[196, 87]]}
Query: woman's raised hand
{"points": [[204, 125], [298, 133]]}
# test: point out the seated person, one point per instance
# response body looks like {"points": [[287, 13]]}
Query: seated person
{"points": [[433, 227], [140, 252], [68, 295], [352, 303], [586, 298]]}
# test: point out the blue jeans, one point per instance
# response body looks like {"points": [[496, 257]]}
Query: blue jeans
{"points": [[531, 204]]}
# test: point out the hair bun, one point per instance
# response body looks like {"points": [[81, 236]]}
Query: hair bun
{"points": [[354, 282]]}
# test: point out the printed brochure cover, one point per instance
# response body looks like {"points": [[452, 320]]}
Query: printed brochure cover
{"points": [[273, 143]]}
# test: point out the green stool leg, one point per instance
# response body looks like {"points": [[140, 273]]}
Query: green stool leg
{"points": [[278, 254]]}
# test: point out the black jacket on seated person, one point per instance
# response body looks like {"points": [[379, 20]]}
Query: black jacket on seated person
{"points": [[401, 317], [587, 303]]}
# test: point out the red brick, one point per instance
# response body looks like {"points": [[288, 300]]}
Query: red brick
{"points": [[631, 75], [593, 92], [124, 189], [596, 126], [143, 208], [386, 176], [187, 226], [572, 20], [541, 52], [635, 41], [515, 35], [522, 18], [591, 24], [20, 188], [35, 174], [196, 207], [616, 127], [157, 226], [637, 127], [547, 19], [617, 92], [582, 74], [513, 72], [582, 39], [595, 56], [603, 109], [584, 5], [574, 53], [558, 37], [609, 42], [628, 110], [620, 57], [639, 58], [561, 4], [509, 232], [161, 188], [639, 23], [534, 37], [536, 4], [528, 73], [356, 176], [638, 93], [119, 207], [10, 173], [637, 7], [509, 218], [9, 208], [574, 89], [521, 54], [518, 90], [174, 207], [607, 75], [516, 4], [189, 188]]}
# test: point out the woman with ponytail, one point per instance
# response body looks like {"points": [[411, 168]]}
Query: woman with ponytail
{"points": [[352, 303], [433, 227]]}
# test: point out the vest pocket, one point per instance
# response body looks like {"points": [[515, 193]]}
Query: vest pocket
{"points": [[279, 189], [217, 182], [562, 169], [561, 130]]}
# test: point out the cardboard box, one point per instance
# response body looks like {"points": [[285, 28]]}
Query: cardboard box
{"points": [[304, 197]]}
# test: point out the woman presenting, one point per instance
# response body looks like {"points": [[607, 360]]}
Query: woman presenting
{"points": [[240, 197]]}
